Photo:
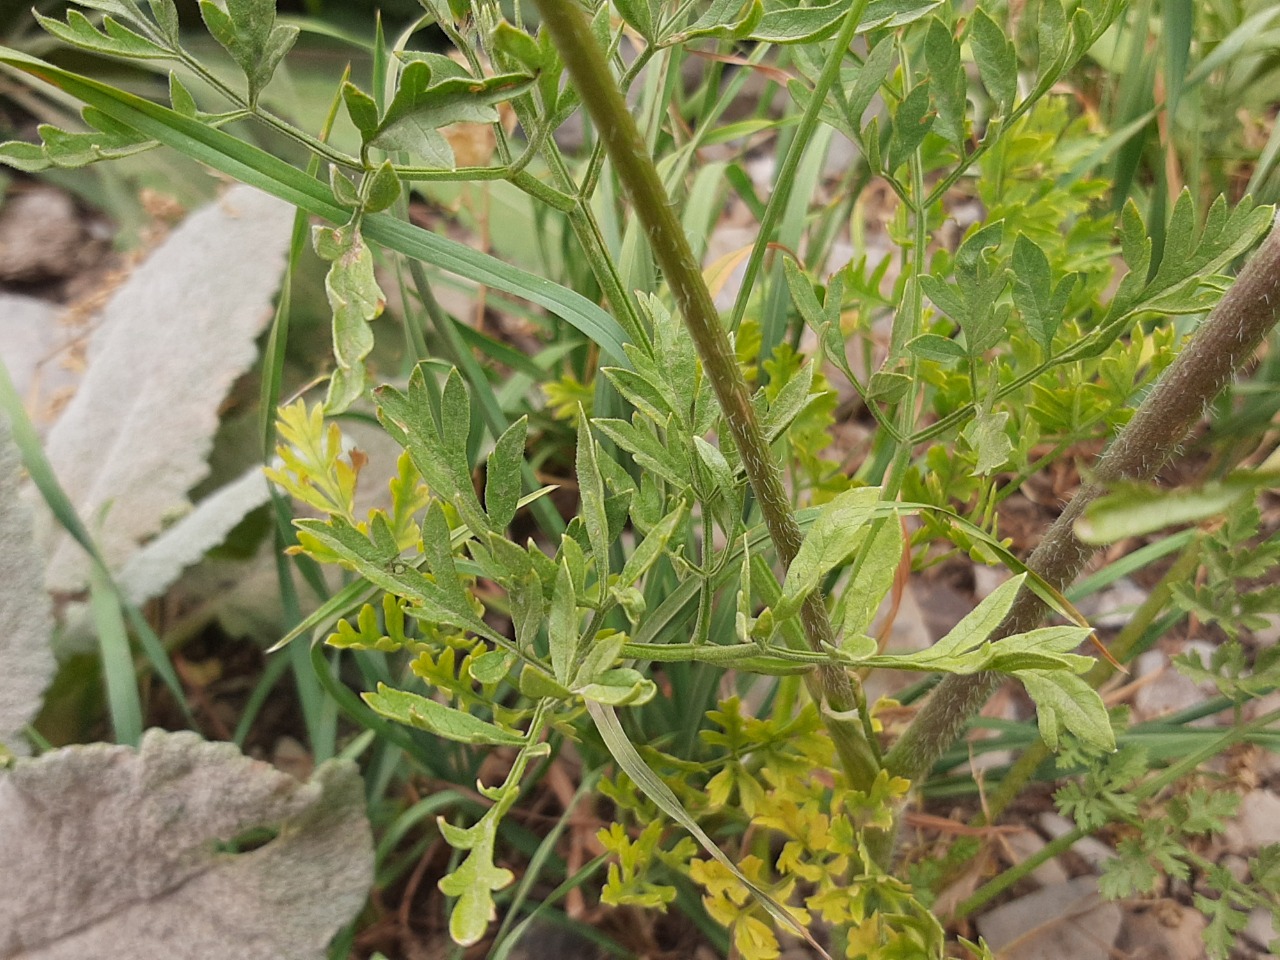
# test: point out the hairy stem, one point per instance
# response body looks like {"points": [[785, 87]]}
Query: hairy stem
{"points": [[638, 175], [1223, 343]]}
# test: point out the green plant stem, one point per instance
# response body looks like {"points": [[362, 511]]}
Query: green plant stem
{"points": [[791, 162], [1223, 343], [637, 173]]}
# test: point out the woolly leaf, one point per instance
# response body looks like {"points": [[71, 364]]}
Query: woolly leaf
{"points": [[117, 854]]}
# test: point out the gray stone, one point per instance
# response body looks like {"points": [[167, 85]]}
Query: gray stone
{"points": [[1068, 921]]}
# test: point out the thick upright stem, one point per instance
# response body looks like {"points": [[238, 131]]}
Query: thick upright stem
{"points": [[1223, 343], [635, 169]]}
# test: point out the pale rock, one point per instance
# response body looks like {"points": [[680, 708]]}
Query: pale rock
{"points": [[41, 237], [1261, 929], [1113, 607], [1025, 844], [1166, 690], [1268, 635], [1165, 931], [1068, 921], [1089, 849], [986, 579], [1258, 821]]}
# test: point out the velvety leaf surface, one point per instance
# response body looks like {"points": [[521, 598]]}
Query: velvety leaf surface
{"points": [[26, 660], [175, 336], [115, 853]]}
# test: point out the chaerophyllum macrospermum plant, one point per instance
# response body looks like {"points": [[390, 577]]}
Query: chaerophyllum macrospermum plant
{"points": [[711, 536]]}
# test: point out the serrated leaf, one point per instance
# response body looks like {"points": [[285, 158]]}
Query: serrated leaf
{"points": [[174, 337], [831, 538], [591, 494], [799, 24], [947, 79], [1039, 301], [562, 625], [997, 61], [424, 714], [988, 436], [724, 20], [930, 346], [24, 607], [502, 474], [978, 624], [114, 39], [912, 121], [1065, 702], [355, 299], [147, 840], [424, 102], [247, 30]]}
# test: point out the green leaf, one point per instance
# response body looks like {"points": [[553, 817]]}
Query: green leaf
{"points": [[621, 687], [1065, 702], [884, 14], [930, 346], [343, 187], [641, 14], [415, 711], [788, 404], [977, 625], [646, 449], [113, 40], [872, 73], [912, 121], [887, 386], [562, 625], [863, 596], [649, 549], [384, 188], [424, 102], [475, 880], [165, 13], [724, 20], [362, 110], [591, 494], [491, 667], [502, 474], [356, 299], [1134, 510], [949, 85], [829, 541], [997, 60], [789, 24], [1041, 304], [248, 31], [181, 98], [988, 436]]}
